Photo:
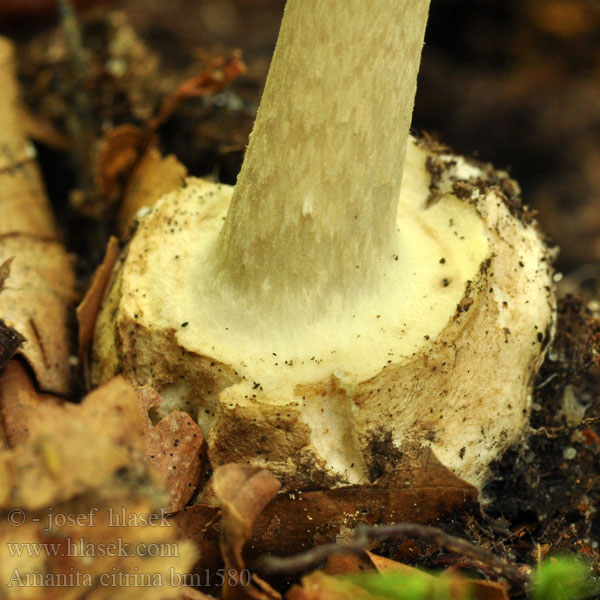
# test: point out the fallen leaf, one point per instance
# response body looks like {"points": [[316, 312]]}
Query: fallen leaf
{"points": [[120, 150], [243, 492], [385, 565], [20, 402], [25, 208], [75, 448], [201, 524], [305, 519], [38, 305], [420, 491], [38, 302], [346, 564], [212, 80], [153, 176], [319, 586], [88, 309], [78, 483]]}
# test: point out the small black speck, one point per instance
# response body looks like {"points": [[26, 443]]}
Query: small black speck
{"points": [[185, 324], [442, 261]]}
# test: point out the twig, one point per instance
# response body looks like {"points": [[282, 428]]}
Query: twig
{"points": [[366, 534]]}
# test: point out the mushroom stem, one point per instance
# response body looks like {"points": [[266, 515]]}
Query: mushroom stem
{"points": [[313, 214]]}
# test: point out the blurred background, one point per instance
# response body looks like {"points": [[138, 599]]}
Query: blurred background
{"points": [[513, 82]]}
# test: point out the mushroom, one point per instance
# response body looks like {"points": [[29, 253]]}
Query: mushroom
{"points": [[358, 289]]}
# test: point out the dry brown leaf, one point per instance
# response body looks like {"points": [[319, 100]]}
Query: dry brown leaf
{"points": [[201, 524], [153, 177], [487, 590], [319, 586], [418, 494], [212, 80], [24, 204], [37, 304], [20, 402], [305, 519], [80, 484], [76, 448], [38, 301], [347, 564], [87, 310], [120, 150], [173, 449], [243, 492]]}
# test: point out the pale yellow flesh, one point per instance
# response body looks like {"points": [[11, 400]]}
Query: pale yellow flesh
{"points": [[351, 337]]}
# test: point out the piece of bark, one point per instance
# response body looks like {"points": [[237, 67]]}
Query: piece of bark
{"points": [[38, 295], [173, 448]]}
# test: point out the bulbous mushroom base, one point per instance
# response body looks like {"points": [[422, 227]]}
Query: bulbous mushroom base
{"points": [[437, 352]]}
